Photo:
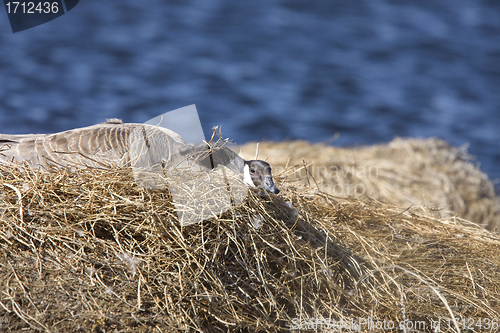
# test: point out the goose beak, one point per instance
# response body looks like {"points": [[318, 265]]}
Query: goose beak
{"points": [[268, 184]]}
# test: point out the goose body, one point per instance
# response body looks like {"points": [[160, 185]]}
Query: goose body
{"points": [[103, 145], [124, 144]]}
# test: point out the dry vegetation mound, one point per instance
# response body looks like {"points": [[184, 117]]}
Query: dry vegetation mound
{"points": [[429, 175], [92, 251]]}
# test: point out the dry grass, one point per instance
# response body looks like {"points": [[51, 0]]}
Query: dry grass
{"points": [[430, 176], [92, 251]]}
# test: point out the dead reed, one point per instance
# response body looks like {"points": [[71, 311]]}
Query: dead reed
{"points": [[90, 250], [425, 175]]}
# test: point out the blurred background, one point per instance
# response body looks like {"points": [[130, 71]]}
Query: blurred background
{"points": [[265, 70]]}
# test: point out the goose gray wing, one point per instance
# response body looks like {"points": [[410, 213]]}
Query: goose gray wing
{"points": [[102, 145], [209, 155]]}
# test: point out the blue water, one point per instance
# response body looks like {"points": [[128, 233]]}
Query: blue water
{"points": [[293, 69]]}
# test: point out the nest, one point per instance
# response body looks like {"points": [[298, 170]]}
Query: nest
{"points": [[427, 176], [90, 250]]}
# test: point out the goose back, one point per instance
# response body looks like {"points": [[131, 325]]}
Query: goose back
{"points": [[101, 145]]}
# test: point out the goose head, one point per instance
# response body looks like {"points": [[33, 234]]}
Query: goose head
{"points": [[258, 173]]}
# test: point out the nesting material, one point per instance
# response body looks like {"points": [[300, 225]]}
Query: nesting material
{"points": [[424, 175], [92, 251], [196, 195]]}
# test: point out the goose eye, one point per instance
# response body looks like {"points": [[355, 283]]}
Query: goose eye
{"points": [[252, 171]]}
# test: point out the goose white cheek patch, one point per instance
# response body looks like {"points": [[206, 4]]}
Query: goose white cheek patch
{"points": [[246, 176]]}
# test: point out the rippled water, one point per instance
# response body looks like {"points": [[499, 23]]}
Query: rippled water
{"points": [[294, 69]]}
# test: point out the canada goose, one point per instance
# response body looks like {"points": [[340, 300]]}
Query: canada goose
{"points": [[115, 143], [258, 173]]}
